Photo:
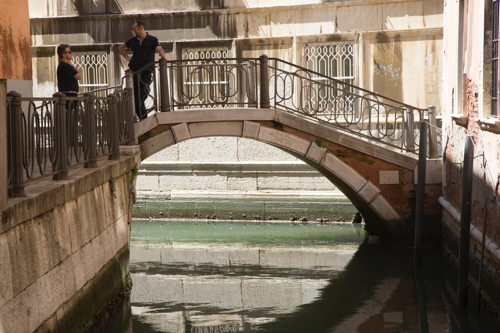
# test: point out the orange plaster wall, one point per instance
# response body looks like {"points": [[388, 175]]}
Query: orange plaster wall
{"points": [[15, 47]]}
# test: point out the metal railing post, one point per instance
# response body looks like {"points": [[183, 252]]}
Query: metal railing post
{"points": [[433, 153], [113, 128], [164, 95], [130, 118], [252, 84], [91, 131], [16, 144], [264, 82], [129, 83], [60, 142], [410, 130]]}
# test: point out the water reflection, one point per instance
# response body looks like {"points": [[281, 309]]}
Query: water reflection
{"points": [[282, 277]]}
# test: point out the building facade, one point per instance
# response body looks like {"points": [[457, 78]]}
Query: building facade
{"points": [[470, 109]]}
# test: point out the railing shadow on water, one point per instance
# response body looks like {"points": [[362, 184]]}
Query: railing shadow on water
{"points": [[46, 136]]}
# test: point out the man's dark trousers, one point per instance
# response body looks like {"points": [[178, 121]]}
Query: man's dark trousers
{"points": [[141, 92], [70, 104]]}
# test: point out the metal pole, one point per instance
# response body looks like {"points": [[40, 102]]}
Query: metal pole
{"points": [[419, 215], [410, 126], [113, 131], [481, 262], [61, 142], [433, 153], [16, 143], [421, 300], [463, 255], [164, 98], [91, 132], [264, 82]]}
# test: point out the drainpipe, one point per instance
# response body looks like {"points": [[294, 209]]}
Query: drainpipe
{"points": [[419, 215], [433, 153]]}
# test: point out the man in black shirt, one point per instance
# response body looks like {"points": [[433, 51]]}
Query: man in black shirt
{"points": [[143, 46], [67, 74]]}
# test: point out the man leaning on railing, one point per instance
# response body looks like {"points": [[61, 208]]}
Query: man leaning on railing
{"points": [[143, 46]]}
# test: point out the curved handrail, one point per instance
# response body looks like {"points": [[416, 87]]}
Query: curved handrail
{"points": [[58, 132]]}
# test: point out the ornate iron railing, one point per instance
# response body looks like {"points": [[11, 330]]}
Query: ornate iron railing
{"points": [[262, 82], [46, 136], [356, 110], [204, 83]]}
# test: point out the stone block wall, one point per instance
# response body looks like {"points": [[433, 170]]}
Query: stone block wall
{"points": [[227, 164], [65, 251]]}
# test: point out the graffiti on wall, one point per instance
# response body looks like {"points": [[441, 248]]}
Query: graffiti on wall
{"points": [[387, 67]]}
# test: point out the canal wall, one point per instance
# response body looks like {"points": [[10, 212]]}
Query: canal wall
{"points": [[488, 274], [65, 251], [227, 164]]}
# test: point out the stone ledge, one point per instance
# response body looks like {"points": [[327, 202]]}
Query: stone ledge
{"points": [[46, 194], [154, 166]]}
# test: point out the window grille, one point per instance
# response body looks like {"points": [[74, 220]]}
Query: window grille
{"points": [[94, 69], [494, 58], [333, 60], [205, 86]]}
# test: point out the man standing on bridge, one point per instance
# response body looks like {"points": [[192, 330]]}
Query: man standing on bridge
{"points": [[143, 46], [67, 73]]}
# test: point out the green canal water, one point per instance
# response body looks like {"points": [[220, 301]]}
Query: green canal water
{"points": [[269, 276]]}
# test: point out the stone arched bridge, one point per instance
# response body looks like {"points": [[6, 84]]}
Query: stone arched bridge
{"points": [[379, 181]]}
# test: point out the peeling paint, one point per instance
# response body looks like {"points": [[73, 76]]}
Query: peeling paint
{"points": [[16, 52]]}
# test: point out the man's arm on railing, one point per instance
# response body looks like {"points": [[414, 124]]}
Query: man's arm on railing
{"points": [[159, 49], [122, 48]]}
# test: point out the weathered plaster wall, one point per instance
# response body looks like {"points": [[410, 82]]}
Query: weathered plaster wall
{"points": [[54, 8], [395, 41], [15, 64], [65, 251], [485, 195], [463, 105], [15, 41]]}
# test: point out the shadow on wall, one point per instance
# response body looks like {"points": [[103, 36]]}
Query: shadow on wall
{"points": [[94, 7], [210, 4]]}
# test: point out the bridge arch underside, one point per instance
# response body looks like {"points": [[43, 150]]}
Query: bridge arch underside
{"points": [[379, 214]]}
